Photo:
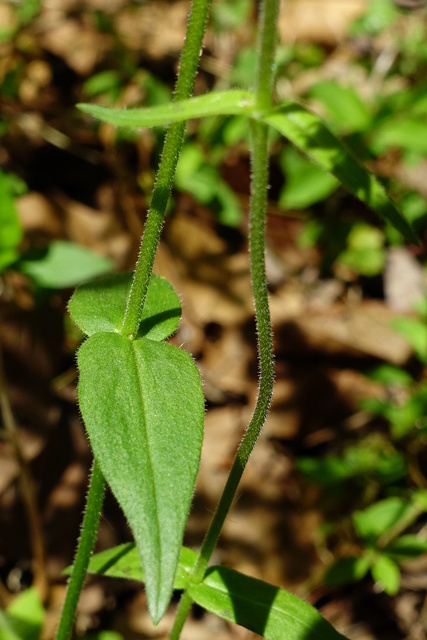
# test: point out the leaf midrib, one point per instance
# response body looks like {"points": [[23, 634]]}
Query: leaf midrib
{"points": [[150, 461]]}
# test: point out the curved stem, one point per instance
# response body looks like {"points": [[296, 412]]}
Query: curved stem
{"points": [[265, 343], [258, 210], [90, 524], [166, 172]]}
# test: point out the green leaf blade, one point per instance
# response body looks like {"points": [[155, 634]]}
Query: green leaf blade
{"points": [[62, 265], [143, 408], [23, 619], [378, 518], [100, 306], [406, 547], [345, 570], [213, 104], [309, 134], [267, 610], [306, 183], [10, 228], [124, 562], [387, 574]]}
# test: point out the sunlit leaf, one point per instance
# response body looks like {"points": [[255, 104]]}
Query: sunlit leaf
{"points": [[378, 518], [406, 547], [100, 306], [124, 562], [62, 264], [415, 332], [23, 619], [403, 132], [143, 408], [387, 574], [309, 134], [267, 610], [389, 374], [212, 104], [10, 227], [305, 182], [348, 112]]}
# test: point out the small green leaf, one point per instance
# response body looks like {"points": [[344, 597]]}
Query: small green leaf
{"points": [[124, 561], [108, 81], [305, 183], [10, 228], [143, 407], [62, 264], [345, 107], [212, 104], [388, 374], [406, 547], [415, 332], [407, 132], [23, 619], [100, 306], [260, 607], [419, 499], [365, 251], [309, 134], [371, 523], [366, 458], [379, 15], [347, 570], [386, 572]]}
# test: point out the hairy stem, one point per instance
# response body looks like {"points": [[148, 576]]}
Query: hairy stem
{"points": [[265, 343], [27, 488], [90, 524], [164, 181], [166, 172], [181, 616], [258, 210]]}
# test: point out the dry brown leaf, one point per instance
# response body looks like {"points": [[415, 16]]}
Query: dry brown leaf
{"points": [[322, 21]]}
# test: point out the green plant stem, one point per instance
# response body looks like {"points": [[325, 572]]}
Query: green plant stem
{"points": [[90, 524], [181, 616], [267, 36], [258, 210], [166, 172], [164, 182], [265, 343]]}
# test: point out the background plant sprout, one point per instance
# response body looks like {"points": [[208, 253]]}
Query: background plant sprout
{"points": [[141, 398]]}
